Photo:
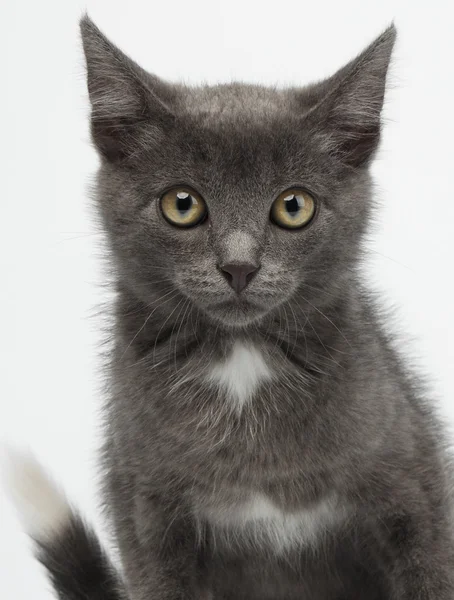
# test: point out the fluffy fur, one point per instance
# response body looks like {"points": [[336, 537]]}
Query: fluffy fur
{"points": [[331, 482], [42, 506], [66, 546], [240, 374]]}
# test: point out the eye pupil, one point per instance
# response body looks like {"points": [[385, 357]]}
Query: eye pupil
{"points": [[293, 209], [292, 205], [183, 207], [184, 202]]}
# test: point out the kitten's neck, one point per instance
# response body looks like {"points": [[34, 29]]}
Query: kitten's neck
{"points": [[313, 337]]}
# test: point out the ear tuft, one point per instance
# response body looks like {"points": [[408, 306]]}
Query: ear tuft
{"points": [[123, 96], [350, 111]]}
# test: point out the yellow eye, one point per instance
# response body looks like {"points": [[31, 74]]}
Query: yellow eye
{"points": [[183, 207], [293, 209]]}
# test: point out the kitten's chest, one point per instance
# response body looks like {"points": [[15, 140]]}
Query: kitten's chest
{"points": [[240, 374], [246, 379], [254, 519], [241, 417]]}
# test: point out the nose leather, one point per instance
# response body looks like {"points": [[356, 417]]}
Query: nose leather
{"points": [[239, 274]]}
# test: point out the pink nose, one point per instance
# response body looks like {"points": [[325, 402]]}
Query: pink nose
{"points": [[239, 275]]}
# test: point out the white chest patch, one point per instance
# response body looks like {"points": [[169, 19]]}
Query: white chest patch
{"points": [[260, 522], [241, 373]]}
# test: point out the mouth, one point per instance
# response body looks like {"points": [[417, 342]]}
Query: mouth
{"points": [[236, 313]]}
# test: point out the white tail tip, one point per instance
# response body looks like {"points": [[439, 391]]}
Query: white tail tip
{"points": [[41, 505]]}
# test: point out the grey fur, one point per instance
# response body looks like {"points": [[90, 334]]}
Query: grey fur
{"points": [[341, 421]]}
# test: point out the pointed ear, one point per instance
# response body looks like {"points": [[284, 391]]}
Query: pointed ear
{"points": [[347, 107], [125, 100]]}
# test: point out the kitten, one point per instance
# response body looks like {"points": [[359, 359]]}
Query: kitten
{"points": [[263, 440]]}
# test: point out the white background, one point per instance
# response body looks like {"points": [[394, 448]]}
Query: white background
{"points": [[50, 250]]}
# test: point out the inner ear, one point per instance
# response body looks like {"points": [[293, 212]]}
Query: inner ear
{"points": [[346, 108], [129, 106]]}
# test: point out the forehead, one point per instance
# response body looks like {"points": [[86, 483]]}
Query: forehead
{"points": [[237, 129], [228, 102], [239, 139]]}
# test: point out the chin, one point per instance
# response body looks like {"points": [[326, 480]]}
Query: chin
{"points": [[238, 314]]}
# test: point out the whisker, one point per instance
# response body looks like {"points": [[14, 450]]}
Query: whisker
{"points": [[389, 258], [148, 318], [296, 327], [162, 327], [186, 305], [318, 337], [327, 318]]}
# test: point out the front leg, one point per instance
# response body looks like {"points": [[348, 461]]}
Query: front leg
{"points": [[162, 555], [417, 553]]}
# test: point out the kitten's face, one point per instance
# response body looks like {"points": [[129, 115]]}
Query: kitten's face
{"points": [[237, 148], [239, 168]]}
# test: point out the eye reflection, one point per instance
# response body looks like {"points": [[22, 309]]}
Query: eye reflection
{"points": [[293, 209], [183, 207]]}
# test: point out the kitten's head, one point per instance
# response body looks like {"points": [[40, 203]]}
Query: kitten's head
{"points": [[238, 197]]}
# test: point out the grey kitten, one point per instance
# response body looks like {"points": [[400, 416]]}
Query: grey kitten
{"points": [[263, 441]]}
